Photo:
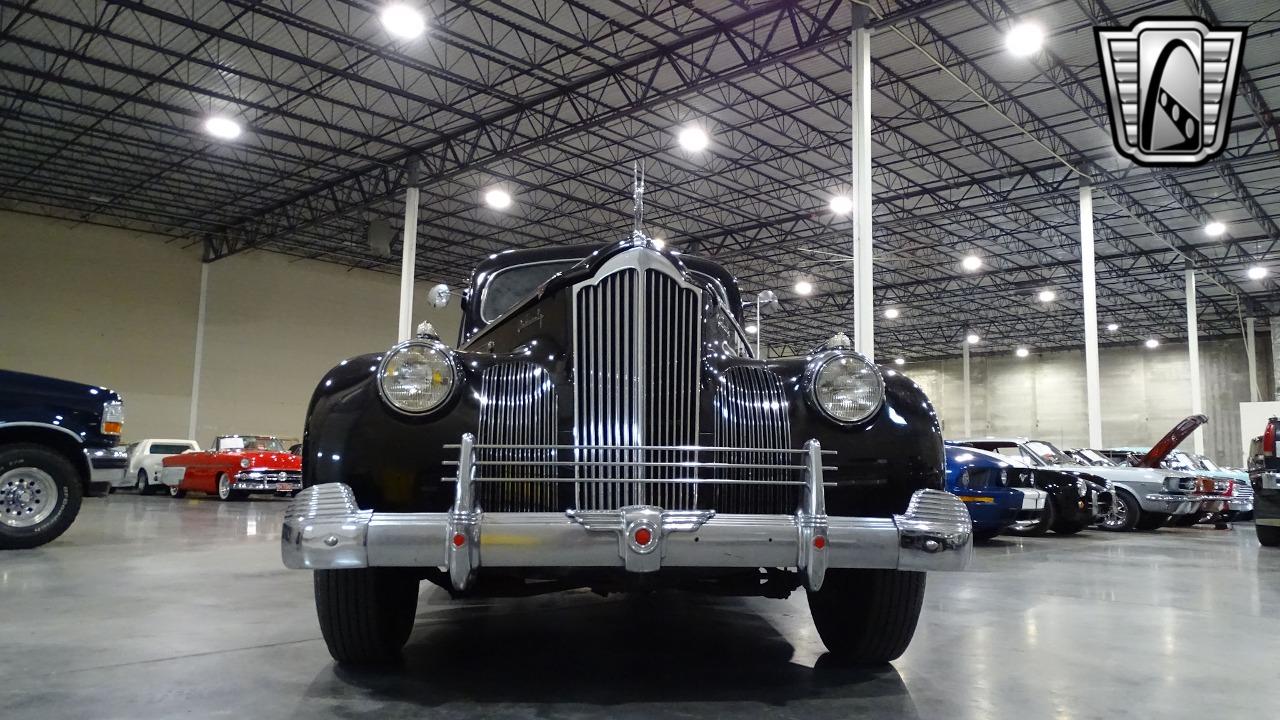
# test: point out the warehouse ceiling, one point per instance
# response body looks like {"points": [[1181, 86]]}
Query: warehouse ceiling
{"points": [[975, 151]]}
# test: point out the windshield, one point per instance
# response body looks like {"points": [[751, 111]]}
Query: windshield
{"points": [[509, 286], [169, 448], [1207, 464], [250, 442], [1096, 458], [1050, 454]]}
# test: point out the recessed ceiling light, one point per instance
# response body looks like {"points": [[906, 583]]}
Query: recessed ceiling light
{"points": [[1113, 327], [693, 139], [899, 361], [804, 287], [841, 205], [1047, 296], [1025, 38], [659, 243], [222, 128], [1257, 272], [971, 262], [972, 338], [1022, 352], [498, 199], [751, 329], [403, 21], [1214, 229], [891, 313], [1152, 343]]}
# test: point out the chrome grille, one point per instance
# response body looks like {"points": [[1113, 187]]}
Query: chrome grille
{"points": [[517, 407], [637, 334], [751, 411]]}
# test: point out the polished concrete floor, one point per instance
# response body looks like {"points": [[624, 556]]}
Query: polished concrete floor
{"points": [[159, 608]]}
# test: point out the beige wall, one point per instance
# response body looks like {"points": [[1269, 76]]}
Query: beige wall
{"points": [[119, 308], [1144, 393]]}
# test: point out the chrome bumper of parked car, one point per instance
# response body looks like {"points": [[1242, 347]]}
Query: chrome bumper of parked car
{"points": [[325, 529], [1172, 504], [267, 481]]}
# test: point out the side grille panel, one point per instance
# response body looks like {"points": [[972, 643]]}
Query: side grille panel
{"points": [[751, 411], [518, 408], [636, 350]]}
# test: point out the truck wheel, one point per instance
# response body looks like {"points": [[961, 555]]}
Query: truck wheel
{"points": [[867, 617], [366, 614], [1124, 514], [39, 495], [1268, 536], [1152, 521], [144, 483]]}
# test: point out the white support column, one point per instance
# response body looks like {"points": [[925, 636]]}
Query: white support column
{"points": [[409, 253], [1251, 352], [968, 424], [863, 299], [1089, 295], [1275, 358], [199, 358], [1193, 353]]}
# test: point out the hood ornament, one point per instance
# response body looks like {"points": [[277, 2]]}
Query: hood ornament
{"points": [[637, 207]]}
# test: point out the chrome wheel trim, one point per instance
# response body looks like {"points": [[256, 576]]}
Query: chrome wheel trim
{"points": [[28, 496], [173, 491], [1118, 515], [224, 487]]}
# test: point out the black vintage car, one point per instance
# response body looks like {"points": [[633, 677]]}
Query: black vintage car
{"points": [[57, 443], [603, 424]]}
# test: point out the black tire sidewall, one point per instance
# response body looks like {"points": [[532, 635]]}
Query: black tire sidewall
{"points": [[1132, 508], [69, 494]]}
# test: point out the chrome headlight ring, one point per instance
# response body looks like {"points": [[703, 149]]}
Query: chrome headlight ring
{"points": [[418, 377], [836, 373]]}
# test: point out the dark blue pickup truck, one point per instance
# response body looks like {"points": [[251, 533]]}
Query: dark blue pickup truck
{"points": [[56, 442]]}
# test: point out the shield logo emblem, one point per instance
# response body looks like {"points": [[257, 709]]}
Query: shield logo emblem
{"points": [[1171, 84]]}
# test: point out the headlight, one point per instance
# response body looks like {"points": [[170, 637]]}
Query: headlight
{"points": [[846, 388], [416, 377], [112, 418], [244, 462], [1082, 486]]}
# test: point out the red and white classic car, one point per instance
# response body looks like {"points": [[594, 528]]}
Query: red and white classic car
{"points": [[237, 466]]}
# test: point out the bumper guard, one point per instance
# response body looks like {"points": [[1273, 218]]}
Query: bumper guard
{"points": [[325, 529]]}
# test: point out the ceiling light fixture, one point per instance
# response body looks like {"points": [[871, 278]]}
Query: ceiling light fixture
{"points": [[841, 205], [891, 313], [1152, 343], [222, 128], [1024, 39], [1047, 296], [658, 242], [804, 287], [972, 338], [1022, 352], [1113, 327], [1257, 272], [899, 361], [693, 139], [751, 329], [403, 21], [1214, 229], [971, 262], [498, 199]]}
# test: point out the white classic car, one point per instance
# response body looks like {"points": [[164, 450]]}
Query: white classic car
{"points": [[145, 457]]}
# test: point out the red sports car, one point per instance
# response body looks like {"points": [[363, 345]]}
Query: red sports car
{"points": [[236, 466]]}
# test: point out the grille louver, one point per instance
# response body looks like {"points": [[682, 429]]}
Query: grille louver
{"points": [[751, 411], [518, 407]]}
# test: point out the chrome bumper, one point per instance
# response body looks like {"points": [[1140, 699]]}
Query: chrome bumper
{"points": [[324, 529], [1174, 504], [259, 481]]}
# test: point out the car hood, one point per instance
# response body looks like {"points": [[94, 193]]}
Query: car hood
{"points": [[270, 460], [1171, 441], [1124, 474]]}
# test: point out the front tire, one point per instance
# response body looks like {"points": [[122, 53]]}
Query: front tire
{"points": [[1154, 521], [1124, 515], [366, 614], [1041, 526], [867, 617], [39, 495], [174, 492], [1268, 536], [225, 493]]}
